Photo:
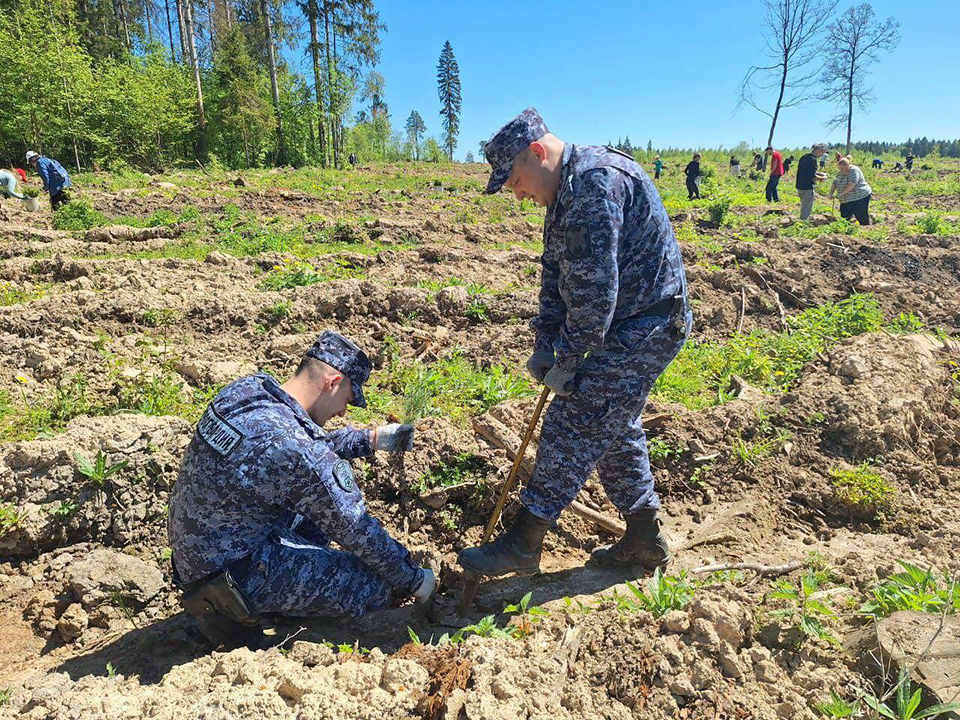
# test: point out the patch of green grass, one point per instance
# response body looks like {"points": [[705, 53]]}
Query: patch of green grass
{"points": [[78, 215], [69, 399], [299, 274], [913, 589], [452, 387], [11, 294], [700, 375], [863, 489], [752, 452]]}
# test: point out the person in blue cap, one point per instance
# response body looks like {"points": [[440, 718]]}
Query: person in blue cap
{"points": [[613, 314], [263, 490]]}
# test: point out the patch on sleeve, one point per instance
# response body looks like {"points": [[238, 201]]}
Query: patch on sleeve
{"points": [[343, 474], [578, 242], [217, 432]]}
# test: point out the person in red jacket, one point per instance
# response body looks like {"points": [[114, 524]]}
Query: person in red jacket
{"points": [[776, 172]]}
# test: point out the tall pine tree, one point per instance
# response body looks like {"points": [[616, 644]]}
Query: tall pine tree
{"points": [[415, 128], [448, 86]]}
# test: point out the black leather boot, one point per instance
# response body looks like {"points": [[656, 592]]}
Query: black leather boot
{"points": [[516, 551], [643, 544]]}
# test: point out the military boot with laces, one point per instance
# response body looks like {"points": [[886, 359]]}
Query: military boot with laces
{"points": [[515, 551], [643, 544]]}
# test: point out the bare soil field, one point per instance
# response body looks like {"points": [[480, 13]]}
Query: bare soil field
{"points": [[812, 421]]}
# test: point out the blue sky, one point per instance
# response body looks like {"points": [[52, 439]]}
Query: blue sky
{"points": [[666, 72]]}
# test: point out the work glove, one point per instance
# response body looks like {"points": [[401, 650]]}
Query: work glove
{"points": [[427, 587], [540, 362], [560, 381], [394, 438]]}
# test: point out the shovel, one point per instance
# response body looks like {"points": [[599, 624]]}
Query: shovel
{"points": [[471, 580]]}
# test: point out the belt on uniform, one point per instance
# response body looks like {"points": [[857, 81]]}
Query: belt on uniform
{"points": [[673, 308], [237, 567]]}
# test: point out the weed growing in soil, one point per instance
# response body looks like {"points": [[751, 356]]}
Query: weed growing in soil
{"points": [[77, 215], [69, 400], [5, 695], [808, 614], [452, 386], [905, 324], [64, 510], [279, 310], [863, 489], [465, 468], [99, 471], [660, 449], [913, 589], [753, 452], [10, 294], [907, 700], [663, 594], [10, 518], [836, 707], [519, 627]]}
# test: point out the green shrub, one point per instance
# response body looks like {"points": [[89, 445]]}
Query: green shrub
{"points": [[77, 215], [863, 489], [719, 209], [931, 223]]}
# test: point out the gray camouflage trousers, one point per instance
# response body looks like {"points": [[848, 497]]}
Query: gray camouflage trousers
{"points": [[599, 425], [295, 573]]}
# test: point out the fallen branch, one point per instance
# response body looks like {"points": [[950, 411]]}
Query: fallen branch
{"points": [[743, 309], [763, 570], [604, 521]]}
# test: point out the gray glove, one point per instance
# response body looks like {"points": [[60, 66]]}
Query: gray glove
{"points": [[394, 438], [560, 381], [427, 587], [540, 362]]}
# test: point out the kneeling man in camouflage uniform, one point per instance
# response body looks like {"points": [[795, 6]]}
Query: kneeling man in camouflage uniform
{"points": [[263, 490], [613, 314]]}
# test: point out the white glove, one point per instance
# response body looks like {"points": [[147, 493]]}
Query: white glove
{"points": [[394, 438], [429, 584]]}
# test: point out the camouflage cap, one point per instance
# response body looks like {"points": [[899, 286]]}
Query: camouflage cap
{"points": [[338, 352], [508, 142]]}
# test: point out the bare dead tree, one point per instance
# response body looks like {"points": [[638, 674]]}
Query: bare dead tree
{"points": [[854, 41], [794, 38]]}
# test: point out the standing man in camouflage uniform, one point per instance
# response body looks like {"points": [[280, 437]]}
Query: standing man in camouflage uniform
{"points": [[613, 314], [263, 490]]}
